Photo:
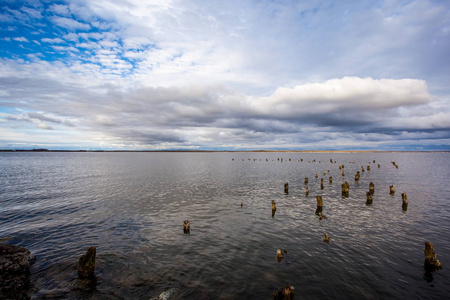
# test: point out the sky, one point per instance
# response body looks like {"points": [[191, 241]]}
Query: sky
{"points": [[225, 75]]}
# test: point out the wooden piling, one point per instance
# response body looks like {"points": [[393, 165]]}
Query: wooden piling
{"points": [[391, 190], [404, 201], [345, 187], [369, 198], [319, 200]]}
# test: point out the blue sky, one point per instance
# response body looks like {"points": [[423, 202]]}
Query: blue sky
{"points": [[233, 75]]}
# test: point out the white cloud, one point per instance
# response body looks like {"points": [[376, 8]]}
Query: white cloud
{"points": [[44, 126], [20, 39], [52, 41], [33, 13], [70, 24], [60, 9]]}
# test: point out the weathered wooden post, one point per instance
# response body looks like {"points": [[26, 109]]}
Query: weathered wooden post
{"points": [[286, 188], [326, 238], [345, 187], [86, 264], [369, 198], [307, 191], [378, 166], [306, 180], [391, 190], [371, 188], [319, 201], [357, 176], [368, 168], [187, 226], [362, 168], [431, 261], [321, 183], [274, 208], [404, 202], [316, 176], [343, 173], [330, 179], [284, 293]]}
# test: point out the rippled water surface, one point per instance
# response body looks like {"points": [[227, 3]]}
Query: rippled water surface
{"points": [[131, 206]]}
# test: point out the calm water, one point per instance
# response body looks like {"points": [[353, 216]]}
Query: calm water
{"points": [[131, 206]]}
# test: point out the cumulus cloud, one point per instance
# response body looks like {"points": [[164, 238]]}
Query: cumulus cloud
{"points": [[52, 41], [70, 24], [21, 39], [59, 9]]}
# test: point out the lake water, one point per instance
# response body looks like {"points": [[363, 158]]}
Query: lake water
{"points": [[131, 206]]}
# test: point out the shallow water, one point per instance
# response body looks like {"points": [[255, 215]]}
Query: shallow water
{"points": [[131, 206]]}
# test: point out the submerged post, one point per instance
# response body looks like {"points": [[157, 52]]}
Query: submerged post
{"points": [[330, 179], [306, 180], [357, 176], [286, 188]]}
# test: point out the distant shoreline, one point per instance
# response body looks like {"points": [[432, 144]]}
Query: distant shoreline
{"points": [[228, 151]]}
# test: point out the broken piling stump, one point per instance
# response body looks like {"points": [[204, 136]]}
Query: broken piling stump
{"points": [[431, 261], [371, 188], [319, 200], [391, 190], [187, 225], [286, 188], [345, 187], [404, 202], [284, 293], [86, 266], [369, 197]]}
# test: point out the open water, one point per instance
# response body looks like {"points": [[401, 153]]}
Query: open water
{"points": [[131, 206]]}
